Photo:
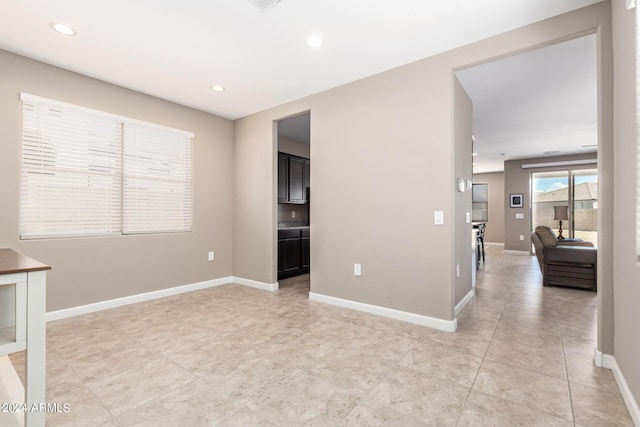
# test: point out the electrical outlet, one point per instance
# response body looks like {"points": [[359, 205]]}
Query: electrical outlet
{"points": [[521, 237], [357, 269], [211, 256]]}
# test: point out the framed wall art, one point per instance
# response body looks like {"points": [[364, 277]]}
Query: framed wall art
{"points": [[516, 200]]}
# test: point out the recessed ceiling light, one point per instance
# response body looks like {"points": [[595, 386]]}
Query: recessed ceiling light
{"points": [[63, 29], [314, 41], [217, 88], [474, 154]]}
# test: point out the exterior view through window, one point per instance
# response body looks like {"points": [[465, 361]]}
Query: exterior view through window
{"points": [[576, 189]]}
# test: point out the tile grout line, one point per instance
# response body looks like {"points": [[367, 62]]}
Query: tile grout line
{"points": [[483, 356]]}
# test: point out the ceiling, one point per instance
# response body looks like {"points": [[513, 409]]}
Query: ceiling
{"points": [[536, 104], [176, 50]]}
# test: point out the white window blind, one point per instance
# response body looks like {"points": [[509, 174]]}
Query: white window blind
{"points": [[157, 192], [87, 173], [70, 172]]}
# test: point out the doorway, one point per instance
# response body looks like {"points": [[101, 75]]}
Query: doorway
{"points": [[294, 201]]}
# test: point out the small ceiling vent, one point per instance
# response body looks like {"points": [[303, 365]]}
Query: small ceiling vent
{"points": [[264, 5]]}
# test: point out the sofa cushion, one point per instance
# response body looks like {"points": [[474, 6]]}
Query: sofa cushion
{"points": [[547, 235]]}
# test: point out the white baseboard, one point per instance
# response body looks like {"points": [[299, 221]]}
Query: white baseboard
{"points": [[147, 296], [512, 252], [632, 404], [607, 361], [602, 360], [464, 301], [432, 322], [255, 284], [493, 244]]}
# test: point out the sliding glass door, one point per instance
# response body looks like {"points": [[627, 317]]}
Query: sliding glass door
{"points": [[575, 189], [549, 189], [585, 205]]}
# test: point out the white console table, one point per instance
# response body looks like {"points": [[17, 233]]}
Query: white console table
{"points": [[29, 331]]}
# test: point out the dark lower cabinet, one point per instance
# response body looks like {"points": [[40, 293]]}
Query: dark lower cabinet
{"points": [[293, 252], [305, 253]]}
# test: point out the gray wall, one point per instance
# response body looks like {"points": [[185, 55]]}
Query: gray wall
{"points": [[291, 146], [379, 143], [494, 232], [87, 270], [517, 181], [463, 118], [626, 269]]}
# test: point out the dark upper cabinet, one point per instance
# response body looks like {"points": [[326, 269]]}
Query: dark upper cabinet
{"points": [[307, 179], [283, 177], [293, 179], [296, 180]]}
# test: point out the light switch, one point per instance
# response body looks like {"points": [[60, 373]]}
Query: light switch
{"points": [[519, 216], [468, 217], [357, 269], [438, 217]]}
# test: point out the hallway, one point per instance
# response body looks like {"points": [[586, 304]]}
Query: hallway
{"points": [[541, 343]]}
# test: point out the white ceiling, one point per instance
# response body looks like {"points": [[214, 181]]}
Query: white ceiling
{"points": [[536, 104], [177, 49]]}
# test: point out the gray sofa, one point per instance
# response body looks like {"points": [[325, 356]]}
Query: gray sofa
{"points": [[571, 263]]}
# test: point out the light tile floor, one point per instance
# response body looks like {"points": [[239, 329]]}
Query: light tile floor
{"points": [[237, 356]]}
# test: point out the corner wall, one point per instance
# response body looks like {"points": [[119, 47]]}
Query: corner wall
{"points": [[463, 148], [378, 143], [626, 268], [88, 270]]}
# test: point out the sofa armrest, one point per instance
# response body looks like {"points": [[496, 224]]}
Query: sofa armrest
{"points": [[581, 243], [571, 254]]}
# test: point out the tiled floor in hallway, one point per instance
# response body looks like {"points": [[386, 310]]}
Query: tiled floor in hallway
{"points": [[237, 356]]}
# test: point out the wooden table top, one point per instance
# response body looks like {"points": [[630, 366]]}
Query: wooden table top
{"points": [[13, 262]]}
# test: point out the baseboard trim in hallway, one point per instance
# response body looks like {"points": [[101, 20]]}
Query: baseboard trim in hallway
{"points": [[607, 361], [418, 319], [464, 301]]}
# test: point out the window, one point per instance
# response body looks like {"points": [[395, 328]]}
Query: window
{"points": [[480, 202], [90, 173]]}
